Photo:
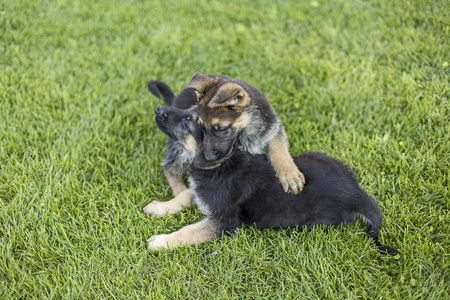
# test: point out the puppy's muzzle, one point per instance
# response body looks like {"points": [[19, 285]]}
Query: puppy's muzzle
{"points": [[201, 162], [161, 115]]}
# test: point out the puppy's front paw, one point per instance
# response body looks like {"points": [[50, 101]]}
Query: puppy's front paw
{"points": [[164, 241], [158, 242], [156, 209], [293, 181]]}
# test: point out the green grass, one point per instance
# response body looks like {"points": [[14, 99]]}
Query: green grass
{"points": [[364, 81]]}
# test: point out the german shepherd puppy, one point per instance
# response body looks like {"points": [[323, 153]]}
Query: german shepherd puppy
{"points": [[234, 113], [243, 190], [176, 158]]}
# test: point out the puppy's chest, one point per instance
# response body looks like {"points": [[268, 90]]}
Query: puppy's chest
{"points": [[210, 194], [250, 145]]}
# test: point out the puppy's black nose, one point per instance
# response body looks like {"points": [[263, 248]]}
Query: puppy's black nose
{"points": [[212, 155], [160, 115]]}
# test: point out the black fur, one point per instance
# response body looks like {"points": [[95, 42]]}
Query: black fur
{"points": [[244, 190], [161, 90], [185, 99]]}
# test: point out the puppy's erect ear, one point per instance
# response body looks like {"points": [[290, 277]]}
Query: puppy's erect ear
{"points": [[230, 94], [200, 82], [161, 90]]}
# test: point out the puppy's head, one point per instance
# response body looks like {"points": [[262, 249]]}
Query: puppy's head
{"points": [[222, 103], [182, 126]]}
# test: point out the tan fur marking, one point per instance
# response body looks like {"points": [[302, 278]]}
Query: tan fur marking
{"points": [[159, 209], [216, 121], [190, 145], [193, 234], [241, 122], [175, 180], [200, 82], [230, 87], [219, 122], [286, 170], [230, 91]]}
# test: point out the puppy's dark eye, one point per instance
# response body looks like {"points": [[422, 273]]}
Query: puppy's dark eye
{"points": [[186, 123], [221, 129]]}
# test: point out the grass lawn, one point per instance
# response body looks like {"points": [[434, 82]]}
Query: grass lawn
{"points": [[364, 81]]}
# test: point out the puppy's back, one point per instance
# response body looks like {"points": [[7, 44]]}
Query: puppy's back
{"points": [[331, 197]]}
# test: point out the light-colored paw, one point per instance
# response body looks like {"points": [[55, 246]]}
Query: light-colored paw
{"points": [[156, 209], [292, 182], [159, 209], [161, 242], [193, 234]]}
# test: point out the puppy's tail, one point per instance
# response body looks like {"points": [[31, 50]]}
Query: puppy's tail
{"points": [[384, 249], [371, 214], [161, 90]]}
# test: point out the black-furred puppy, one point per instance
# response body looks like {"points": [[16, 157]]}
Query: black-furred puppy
{"points": [[176, 159], [244, 190]]}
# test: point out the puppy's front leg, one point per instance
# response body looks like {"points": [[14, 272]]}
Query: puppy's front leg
{"points": [[175, 180], [291, 179], [159, 209], [197, 233]]}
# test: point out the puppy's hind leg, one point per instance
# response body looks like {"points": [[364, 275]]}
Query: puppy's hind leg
{"points": [[159, 209], [197, 233], [291, 179]]}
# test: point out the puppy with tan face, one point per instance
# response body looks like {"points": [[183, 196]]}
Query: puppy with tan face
{"points": [[235, 114]]}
